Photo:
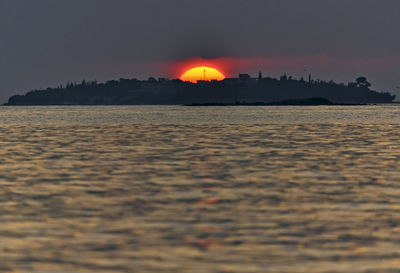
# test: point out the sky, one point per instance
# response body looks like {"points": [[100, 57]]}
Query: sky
{"points": [[45, 43]]}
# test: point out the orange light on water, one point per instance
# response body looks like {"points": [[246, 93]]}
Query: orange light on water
{"points": [[202, 73]]}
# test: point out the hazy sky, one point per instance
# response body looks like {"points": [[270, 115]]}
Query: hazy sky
{"points": [[49, 42]]}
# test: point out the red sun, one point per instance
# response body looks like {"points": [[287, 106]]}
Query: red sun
{"points": [[202, 73]]}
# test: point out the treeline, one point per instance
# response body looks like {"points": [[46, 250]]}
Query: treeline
{"points": [[164, 91]]}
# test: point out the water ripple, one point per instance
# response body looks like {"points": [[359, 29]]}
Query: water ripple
{"points": [[297, 195]]}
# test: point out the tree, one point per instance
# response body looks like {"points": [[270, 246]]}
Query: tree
{"points": [[362, 82]]}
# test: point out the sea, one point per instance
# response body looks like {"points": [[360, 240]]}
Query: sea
{"points": [[200, 189]]}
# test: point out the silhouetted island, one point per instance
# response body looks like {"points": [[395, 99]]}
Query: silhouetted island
{"points": [[229, 91]]}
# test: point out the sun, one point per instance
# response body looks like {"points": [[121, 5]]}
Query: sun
{"points": [[202, 73]]}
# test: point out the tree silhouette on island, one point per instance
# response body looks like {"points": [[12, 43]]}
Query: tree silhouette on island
{"points": [[233, 91]]}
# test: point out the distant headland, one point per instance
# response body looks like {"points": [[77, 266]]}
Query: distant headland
{"points": [[229, 91]]}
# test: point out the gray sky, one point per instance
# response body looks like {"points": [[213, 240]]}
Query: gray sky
{"points": [[49, 42]]}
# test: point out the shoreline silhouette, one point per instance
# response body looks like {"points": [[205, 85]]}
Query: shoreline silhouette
{"points": [[230, 91]]}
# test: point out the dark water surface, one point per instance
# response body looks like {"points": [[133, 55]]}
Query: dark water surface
{"points": [[178, 189]]}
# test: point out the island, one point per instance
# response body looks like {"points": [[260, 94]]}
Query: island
{"points": [[230, 91]]}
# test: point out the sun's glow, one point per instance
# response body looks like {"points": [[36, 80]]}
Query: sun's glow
{"points": [[202, 73]]}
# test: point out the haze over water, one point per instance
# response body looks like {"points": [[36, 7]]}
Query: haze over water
{"points": [[202, 189]]}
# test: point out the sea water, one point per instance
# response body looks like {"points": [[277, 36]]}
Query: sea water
{"points": [[201, 189]]}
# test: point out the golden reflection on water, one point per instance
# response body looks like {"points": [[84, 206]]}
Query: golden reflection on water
{"points": [[96, 196]]}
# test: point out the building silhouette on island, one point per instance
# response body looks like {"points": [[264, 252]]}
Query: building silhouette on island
{"points": [[164, 91]]}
